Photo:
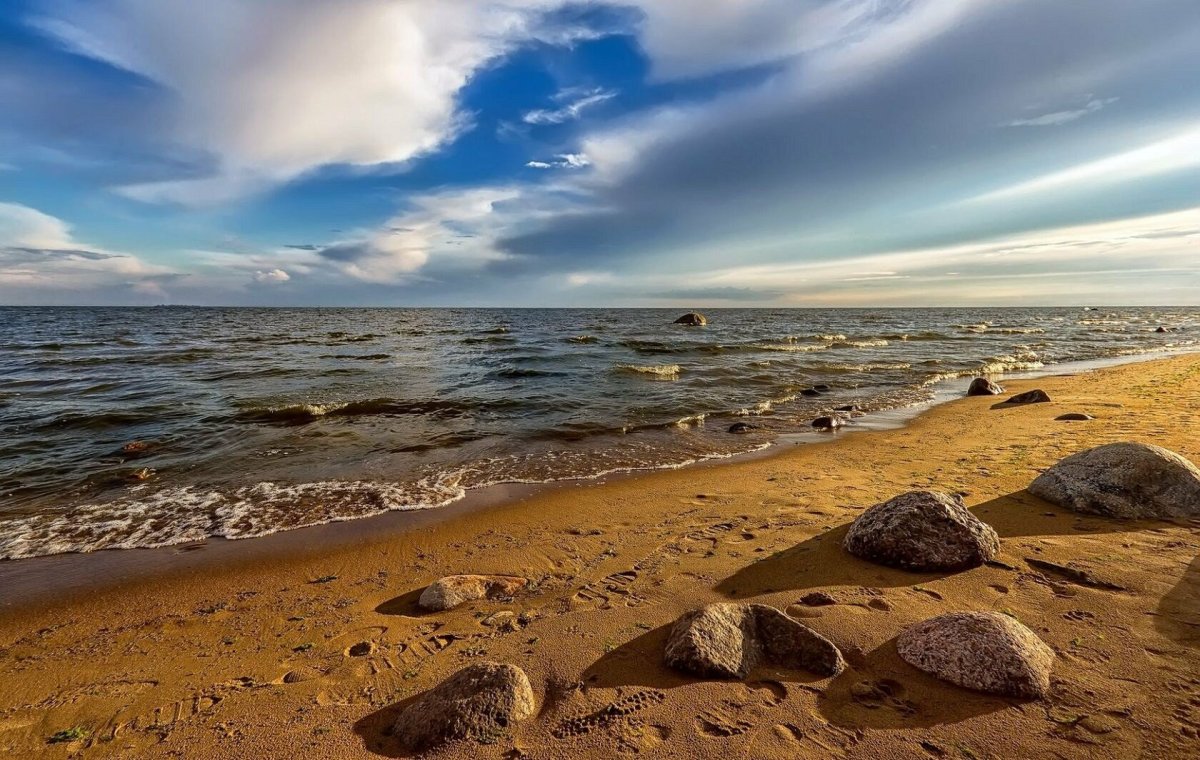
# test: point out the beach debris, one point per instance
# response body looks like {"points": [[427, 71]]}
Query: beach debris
{"points": [[742, 427], [1036, 396], [1074, 416], [828, 422], [692, 319], [817, 599], [986, 651], [728, 640], [1124, 480], [922, 531], [981, 386], [1072, 574], [451, 591], [479, 702]]}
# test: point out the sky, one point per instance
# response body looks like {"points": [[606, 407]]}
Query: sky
{"points": [[623, 153]]}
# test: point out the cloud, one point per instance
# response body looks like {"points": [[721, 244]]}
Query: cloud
{"points": [[271, 276], [576, 104], [564, 161], [277, 88], [1058, 118]]}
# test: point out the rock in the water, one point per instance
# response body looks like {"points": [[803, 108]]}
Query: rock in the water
{"points": [[742, 427], [1074, 416], [693, 319], [810, 392], [852, 408], [478, 702], [829, 422], [1128, 480], [1037, 396], [451, 591], [981, 386], [922, 531], [985, 651], [822, 387], [729, 640], [1160, 329]]}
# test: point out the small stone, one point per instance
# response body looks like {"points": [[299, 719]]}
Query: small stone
{"points": [[499, 619], [981, 386], [985, 651], [827, 423], [817, 599], [1074, 416], [451, 591], [1037, 396], [478, 702]]}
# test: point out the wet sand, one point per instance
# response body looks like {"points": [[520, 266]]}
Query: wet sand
{"points": [[191, 662]]}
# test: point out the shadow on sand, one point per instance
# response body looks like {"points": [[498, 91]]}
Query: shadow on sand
{"points": [[375, 730], [405, 605], [1178, 614]]}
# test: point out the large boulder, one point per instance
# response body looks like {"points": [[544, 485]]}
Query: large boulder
{"points": [[922, 531], [729, 640], [478, 702], [693, 319], [1128, 480], [451, 591], [985, 651], [981, 386]]}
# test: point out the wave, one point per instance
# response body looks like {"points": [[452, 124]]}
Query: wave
{"points": [[661, 371], [864, 343], [302, 413], [582, 339], [357, 357]]}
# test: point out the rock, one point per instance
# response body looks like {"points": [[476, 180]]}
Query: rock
{"points": [[451, 591], [742, 427], [692, 319], [821, 387], [501, 619], [729, 640], [478, 702], [1074, 416], [827, 423], [1037, 396], [852, 408], [135, 449], [1124, 480], [985, 651], [361, 649], [810, 392], [981, 386], [1161, 329], [817, 599], [922, 531], [879, 603]]}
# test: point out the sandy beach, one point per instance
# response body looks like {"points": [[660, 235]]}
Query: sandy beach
{"points": [[249, 656]]}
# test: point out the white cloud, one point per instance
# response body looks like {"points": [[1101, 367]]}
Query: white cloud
{"points": [[277, 88], [1058, 118], [564, 161], [271, 276], [576, 104], [582, 279]]}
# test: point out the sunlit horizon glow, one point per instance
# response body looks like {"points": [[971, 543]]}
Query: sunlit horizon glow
{"points": [[776, 153]]}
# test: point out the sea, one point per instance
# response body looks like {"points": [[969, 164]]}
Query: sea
{"points": [[142, 427]]}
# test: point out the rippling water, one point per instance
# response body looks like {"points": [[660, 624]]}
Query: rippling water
{"points": [[252, 421]]}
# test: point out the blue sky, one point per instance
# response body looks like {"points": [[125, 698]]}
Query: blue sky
{"points": [[631, 153]]}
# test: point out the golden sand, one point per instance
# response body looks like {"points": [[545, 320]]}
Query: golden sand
{"points": [[192, 662]]}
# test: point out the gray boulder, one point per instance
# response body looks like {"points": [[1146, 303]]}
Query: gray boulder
{"points": [[981, 386], [1036, 396], [451, 591], [922, 531], [985, 651], [692, 319], [729, 640], [478, 702], [1126, 480]]}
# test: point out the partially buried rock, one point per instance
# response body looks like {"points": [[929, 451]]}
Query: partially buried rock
{"points": [[692, 319], [981, 386], [985, 651], [829, 422], [922, 531], [479, 702], [729, 640], [817, 599], [1127, 480], [742, 427], [1074, 417], [451, 591], [1037, 396]]}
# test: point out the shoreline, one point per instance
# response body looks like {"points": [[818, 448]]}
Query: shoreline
{"points": [[252, 657], [62, 577]]}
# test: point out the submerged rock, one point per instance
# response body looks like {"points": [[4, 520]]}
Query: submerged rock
{"points": [[742, 427], [922, 531], [692, 319], [829, 422], [729, 640], [851, 408], [1074, 416], [985, 651], [981, 386], [1126, 480], [451, 591], [810, 392], [1037, 396], [478, 702]]}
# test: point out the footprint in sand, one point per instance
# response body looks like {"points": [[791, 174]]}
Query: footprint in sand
{"points": [[619, 711], [883, 693]]}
